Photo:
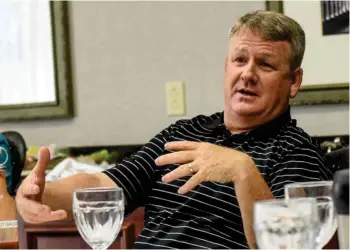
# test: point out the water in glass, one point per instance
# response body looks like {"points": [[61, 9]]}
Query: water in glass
{"points": [[98, 216], [279, 225], [328, 223], [322, 192]]}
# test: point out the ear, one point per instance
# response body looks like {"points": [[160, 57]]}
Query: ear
{"points": [[297, 78]]}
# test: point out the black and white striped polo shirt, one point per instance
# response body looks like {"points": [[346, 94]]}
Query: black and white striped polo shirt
{"points": [[209, 215]]}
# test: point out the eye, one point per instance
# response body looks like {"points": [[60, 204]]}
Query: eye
{"points": [[239, 59], [266, 65]]}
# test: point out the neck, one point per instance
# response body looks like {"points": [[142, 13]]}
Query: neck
{"points": [[237, 125], [3, 187]]}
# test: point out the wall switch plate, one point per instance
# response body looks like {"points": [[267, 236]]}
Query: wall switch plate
{"points": [[175, 98]]}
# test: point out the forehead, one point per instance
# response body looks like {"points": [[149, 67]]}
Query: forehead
{"points": [[248, 41]]}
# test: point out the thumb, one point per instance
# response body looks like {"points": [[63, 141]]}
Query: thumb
{"points": [[43, 162]]}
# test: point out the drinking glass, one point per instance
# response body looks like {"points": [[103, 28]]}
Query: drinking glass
{"points": [[281, 224], [322, 192], [98, 215]]}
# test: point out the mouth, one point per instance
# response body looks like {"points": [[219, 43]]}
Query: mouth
{"points": [[247, 92]]}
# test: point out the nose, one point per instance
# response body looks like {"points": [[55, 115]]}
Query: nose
{"points": [[249, 75]]}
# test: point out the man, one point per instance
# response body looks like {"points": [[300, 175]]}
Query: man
{"points": [[198, 179]]}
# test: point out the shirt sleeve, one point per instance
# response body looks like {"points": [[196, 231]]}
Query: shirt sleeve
{"points": [[136, 174], [303, 163]]}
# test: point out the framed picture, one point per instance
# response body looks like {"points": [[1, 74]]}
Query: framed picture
{"points": [[335, 17], [326, 58], [35, 65]]}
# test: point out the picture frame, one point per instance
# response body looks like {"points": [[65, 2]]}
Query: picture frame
{"points": [[314, 93], [62, 107]]}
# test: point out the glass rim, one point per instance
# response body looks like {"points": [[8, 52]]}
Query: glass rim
{"points": [[309, 184], [280, 201], [97, 189], [270, 201]]}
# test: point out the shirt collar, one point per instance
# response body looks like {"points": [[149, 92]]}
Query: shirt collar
{"points": [[262, 131]]}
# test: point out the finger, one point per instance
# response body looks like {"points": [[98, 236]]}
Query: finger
{"points": [[44, 159], [28, 188], [31, 206], [52, 216], [35, 218], [182, 145], [179, 172], [176, 157], [38, 211], [29, 217], [57, 215], [194, 181]]}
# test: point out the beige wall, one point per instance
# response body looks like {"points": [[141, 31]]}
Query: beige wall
{"points": [[124, 52]]}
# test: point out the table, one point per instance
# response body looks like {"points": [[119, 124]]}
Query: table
{"points": [[64, 235]]}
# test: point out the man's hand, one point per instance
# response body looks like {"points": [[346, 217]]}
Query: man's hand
{"points": [[29, 194], [206, 162]]}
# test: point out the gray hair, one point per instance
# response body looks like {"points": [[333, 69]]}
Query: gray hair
{"points": [[274, 26]]}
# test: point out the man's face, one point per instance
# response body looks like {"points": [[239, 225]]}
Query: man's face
{"points": [[258, 81]]}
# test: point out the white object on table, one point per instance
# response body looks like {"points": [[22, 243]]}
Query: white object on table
{"points": [[70, 166]]}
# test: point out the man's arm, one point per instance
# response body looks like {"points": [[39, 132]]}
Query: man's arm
{"points": [[303, 163], [58, 194], [250, 187], [38, 201]]}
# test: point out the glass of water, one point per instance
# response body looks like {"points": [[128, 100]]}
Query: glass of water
{"points": [[98, 215], [322, 192], [281, 224]]}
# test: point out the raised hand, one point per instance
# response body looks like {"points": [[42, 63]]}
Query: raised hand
{"points": [[205, 162], [29, 195]]}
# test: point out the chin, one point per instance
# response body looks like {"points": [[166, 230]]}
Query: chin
{"points": [[245, 109]]}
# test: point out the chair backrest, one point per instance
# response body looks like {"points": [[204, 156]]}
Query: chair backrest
{"points": [[339, 157], [18, 150]]}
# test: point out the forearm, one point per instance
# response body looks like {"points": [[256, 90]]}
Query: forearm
{"points": [[59, 194], [250, 187]]}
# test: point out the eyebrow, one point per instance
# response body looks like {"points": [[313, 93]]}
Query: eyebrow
{"points": [[265, 54], [238, 49], [245, 50]]}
